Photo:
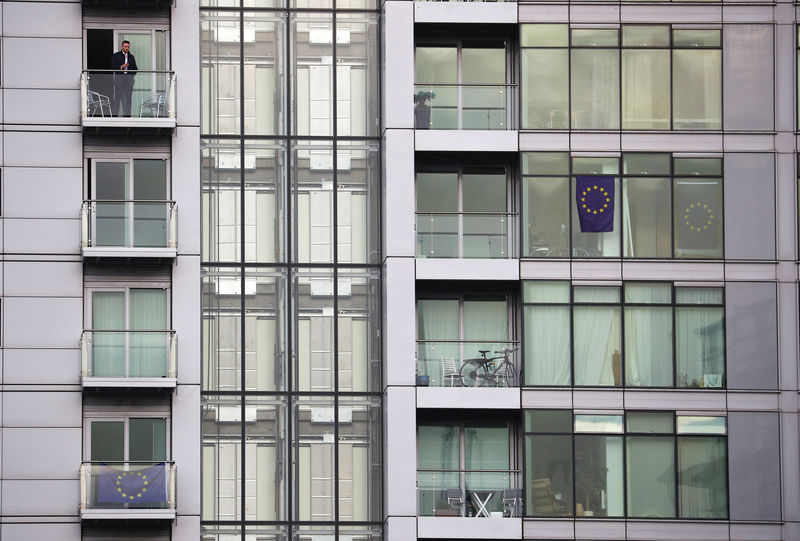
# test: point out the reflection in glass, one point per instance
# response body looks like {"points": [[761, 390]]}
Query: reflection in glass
{"points": [[548, 486], [598, 476]]}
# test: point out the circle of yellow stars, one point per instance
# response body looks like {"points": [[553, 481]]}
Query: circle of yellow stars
{"points": [[695, 211], [603, 194], [124, 495]]}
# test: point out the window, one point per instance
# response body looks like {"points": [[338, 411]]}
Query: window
{"points": [[664, 206], [451, 328], [639, 335], [657, 464], [462, 85], [467, 469], [658, 78], [461, 212]]}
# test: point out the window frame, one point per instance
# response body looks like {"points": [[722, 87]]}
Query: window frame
{"points": [[124, 417]]}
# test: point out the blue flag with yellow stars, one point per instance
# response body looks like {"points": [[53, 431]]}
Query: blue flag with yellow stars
{"points": [[148, 485], [595, 199]]}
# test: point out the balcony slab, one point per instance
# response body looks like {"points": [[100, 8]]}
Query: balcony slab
{"points": [[467, 269], [125, 122], [99, 383], [128, 514], [495, 398], [466, 140], [120, 252], [465, 12], [468, 528]]}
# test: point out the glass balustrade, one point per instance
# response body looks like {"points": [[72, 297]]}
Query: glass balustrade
{"points": [[129, 224], [463, 107], [115, 97], [467, 363], [128, 354], [464, 235], [127, 485], [469, 493]]}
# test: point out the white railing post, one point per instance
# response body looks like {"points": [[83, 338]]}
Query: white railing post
{"points": [[83, 502], [84, 95], [85, 224], [84, 355], [171, 495], [171, 98], [173, 225], [173, 355]]}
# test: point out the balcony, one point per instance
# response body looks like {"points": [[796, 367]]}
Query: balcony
{"points": [[128, 360], [117, 491], [467, 363], [464, 107], [129, 229], [151, 100], [463, 235]]}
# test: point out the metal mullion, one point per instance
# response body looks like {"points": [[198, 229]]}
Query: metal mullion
{"points": [[335, 213]]}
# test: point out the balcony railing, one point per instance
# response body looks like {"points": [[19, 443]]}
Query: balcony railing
{"points": [[469, 493], [125, 224], [460, 363], [465, 234], [118, 490], [111, 356], [464, 107], [144, 98]]}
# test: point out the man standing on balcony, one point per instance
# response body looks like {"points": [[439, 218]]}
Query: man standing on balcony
{"points": [[125, 68]]}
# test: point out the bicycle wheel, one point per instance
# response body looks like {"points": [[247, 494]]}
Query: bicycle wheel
{"points": [[505, 376], [473, 373]]}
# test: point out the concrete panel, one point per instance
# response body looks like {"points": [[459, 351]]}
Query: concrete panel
{"points": [[399, 316], [543, 399], [186, 29], [670, 14], [465, 12], [50, 107], [42, 322], [48, 498], [41, 366], [595, 142], [398, 65], [41, 453], [673, 270], [677, 142], [63, 186], [42, 409], [43, 279], [185, 448], [610, 399], [599, 529], [43, 149], [751, 335], [749, 220], [681, 399], [26, 532], [63, 72], [596, 270], [466, 140], [676, 531], [551, 13], [400, 451], [544, 270], [185, 187], [42, 19], [748, 77], [186, 528], [400, 528], [544, 141], [468, 528], [41, 236], [399, 202], [468, 398], [186, 317], [467, 269], [754, 463]]}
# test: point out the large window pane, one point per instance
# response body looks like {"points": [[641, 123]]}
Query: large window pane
{"points": [[698, 218], [264, 320], [545, 89], [548, 488], [359, 342], [546, 217], [357, 74], [485, 326], [547, 345], [700, 347], [313, 330], [595, 89], [312, 73], [598, 476], [648, 346], [647, 217], [312, 202], [703, 477], [596, 342], [147, 440], [264, 100], [697, 89], [651, 476], [357, 202], [645, 90]]}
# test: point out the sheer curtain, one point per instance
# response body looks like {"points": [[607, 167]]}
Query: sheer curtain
{"points": [[148, 351], [651, 476], [702, 477], [596, 339], [437, 320], [547, 345], [438, 448], [108, 348], [648, 346], [486, 448], [595, 89], [485, 320], [645, 89], [700, 346]]}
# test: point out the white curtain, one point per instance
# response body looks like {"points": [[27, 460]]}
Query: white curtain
{"points": [[702, 477], [547, 345], [651, 476], [485, 320], [108, 348], [437, 320], [648, 346], [148, 350], [700, 346], [645, 89], [596, 332]]}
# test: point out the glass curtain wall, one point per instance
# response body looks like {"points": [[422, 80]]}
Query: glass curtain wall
{"points": [[291, 348]]}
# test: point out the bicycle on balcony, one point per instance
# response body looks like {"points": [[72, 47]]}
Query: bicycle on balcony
{"points": [[486, 371]]}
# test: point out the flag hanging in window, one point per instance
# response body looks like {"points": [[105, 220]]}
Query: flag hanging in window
{"points": [[595, 198]]}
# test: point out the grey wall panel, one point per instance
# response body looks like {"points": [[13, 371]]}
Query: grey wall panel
{"points": [[749, 206], [42, 322], [63, 186], [29, 532], [42, 106], [41, 236], [34, 497], [748, 77], [43, 149], [41, 453], [45, 278], [186, 29], [40, 19], [751, 335], [185, 187], [41, 366], [42, 409], [186, 312], [186, 448], [64, 71], [187, 528], [754, 462]]}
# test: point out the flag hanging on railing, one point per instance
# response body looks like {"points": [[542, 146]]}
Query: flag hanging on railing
{"points": [[595, 198], [148, 485]]}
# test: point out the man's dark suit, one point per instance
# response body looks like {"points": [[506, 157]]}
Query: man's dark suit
{"points": [[123, 82]]}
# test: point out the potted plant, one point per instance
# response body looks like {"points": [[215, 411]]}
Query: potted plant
{"points": [[590, 479]]}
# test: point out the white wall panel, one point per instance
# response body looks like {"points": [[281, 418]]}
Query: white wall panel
{"points": [[42, 409], [42, 322], [62, 185], [58, 62], [41, 453]]}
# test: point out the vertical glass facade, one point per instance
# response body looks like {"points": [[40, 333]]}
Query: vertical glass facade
{"points": [[291, 290]]}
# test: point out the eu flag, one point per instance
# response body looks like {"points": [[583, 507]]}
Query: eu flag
{"points": [[595, 199], [148, 485]]}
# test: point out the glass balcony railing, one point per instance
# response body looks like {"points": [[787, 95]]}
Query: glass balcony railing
{"points": [[470, 493], [465, 235], [128, 354], [110, 97], [127, 486], [464, 107], [467, 363], [129, 224]]}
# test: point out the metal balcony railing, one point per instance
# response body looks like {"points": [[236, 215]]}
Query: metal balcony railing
{"points": [[460, 363], [116, 97], [465, 234]]}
